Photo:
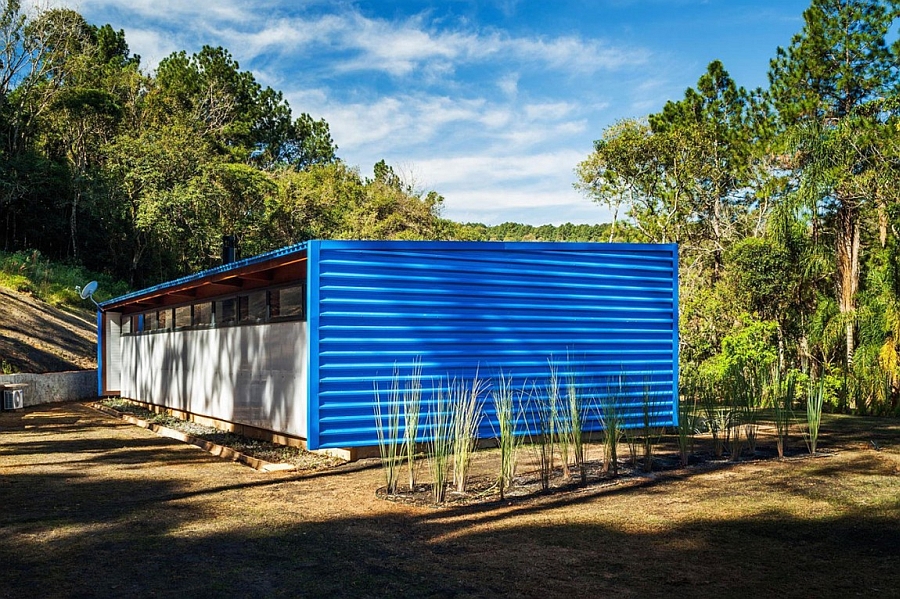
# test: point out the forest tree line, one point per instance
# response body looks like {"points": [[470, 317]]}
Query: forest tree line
{"points": [[785, 202], [140, 175]]}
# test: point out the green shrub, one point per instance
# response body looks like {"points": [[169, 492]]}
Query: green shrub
{"points": [[54, 283]]}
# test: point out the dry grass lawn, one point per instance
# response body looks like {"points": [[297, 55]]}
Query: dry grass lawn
{"points": [[93, 507]]}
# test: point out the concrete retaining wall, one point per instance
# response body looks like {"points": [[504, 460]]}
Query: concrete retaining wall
{"points": [[54, 386]]}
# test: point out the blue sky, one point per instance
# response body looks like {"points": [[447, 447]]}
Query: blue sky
{"points": [[490, 103]]}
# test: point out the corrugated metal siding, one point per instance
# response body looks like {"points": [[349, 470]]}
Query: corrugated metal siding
{"points": [[605, 314]]}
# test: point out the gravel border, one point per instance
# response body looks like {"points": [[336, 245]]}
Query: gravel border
{"points": [[260, 455]]}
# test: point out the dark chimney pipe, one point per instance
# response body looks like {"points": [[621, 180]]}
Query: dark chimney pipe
{"points": [[229, 249]]}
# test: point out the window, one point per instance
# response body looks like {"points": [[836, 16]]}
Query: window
{"points": [[164, 318], [225, 311], [252, 308], [202, 315], [182, 317], [287, 302]]}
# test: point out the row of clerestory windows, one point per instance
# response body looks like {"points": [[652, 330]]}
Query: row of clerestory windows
{"points": [[254, 307]]}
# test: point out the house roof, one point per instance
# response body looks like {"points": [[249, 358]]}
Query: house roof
{"points": [[289, 264], [263, 270]]}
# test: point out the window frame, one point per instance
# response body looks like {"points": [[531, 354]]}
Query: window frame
{"points": [[140, 320]]}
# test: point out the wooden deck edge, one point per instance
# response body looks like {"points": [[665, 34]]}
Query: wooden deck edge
{"points": [[208, 446]]}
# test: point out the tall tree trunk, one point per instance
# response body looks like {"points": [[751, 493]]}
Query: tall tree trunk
{"points": [[781, 359], [615, 219], [718, 258], [805, 361], [847, 239], [73, 222]]}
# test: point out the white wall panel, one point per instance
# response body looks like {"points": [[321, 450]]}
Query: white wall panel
{"points": [[112, 358], [253, 375]]}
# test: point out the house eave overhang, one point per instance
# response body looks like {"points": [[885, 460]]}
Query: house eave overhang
{"points": [[264, 270]]}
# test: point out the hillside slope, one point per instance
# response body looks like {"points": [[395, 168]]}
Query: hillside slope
{"points": [[35, 337]]}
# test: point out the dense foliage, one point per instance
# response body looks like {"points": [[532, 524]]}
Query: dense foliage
{"points": [[785, 201], [786, 204], [141, 175]]}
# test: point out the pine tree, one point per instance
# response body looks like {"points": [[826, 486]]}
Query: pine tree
{"points": [[828, 88]]}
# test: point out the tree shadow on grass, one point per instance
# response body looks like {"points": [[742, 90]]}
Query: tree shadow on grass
{"points": [[841, 430], [77, 533], [145, 547]]}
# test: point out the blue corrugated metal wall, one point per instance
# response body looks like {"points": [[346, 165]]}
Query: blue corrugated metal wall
{"points": [[605, 314]]}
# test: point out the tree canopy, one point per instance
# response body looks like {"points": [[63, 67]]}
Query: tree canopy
{"points": [[784, 200], [142, 174]]}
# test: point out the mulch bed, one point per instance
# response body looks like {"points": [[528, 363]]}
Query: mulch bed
{"points": [[213, 440], [527, 486]]}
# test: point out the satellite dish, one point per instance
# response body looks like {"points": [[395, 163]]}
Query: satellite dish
{"points": [[88, 292]]}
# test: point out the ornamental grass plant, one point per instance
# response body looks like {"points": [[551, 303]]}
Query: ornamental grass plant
{"points": [[508, 407], [784, 389], [815, 399], [387, 426], [439, 446], [465, 400], [412, 409]]}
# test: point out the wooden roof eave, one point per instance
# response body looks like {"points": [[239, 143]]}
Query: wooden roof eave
{"points": [[276, 271]]}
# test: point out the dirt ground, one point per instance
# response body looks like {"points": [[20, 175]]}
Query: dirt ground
{"points": [[94, 507], [35, 337]]}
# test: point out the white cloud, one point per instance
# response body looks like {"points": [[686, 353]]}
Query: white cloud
{"points": [[399, 120], [217, 10], [549, 111], [496, 118], [399, 48], [646, 94], [498, 146], [574, 54], [151, 45], [493, 170], [535, 206], [438, 124], [509, 84], [527, 135]]}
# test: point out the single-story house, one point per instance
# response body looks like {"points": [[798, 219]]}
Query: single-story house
{"points": [[296, 341]]}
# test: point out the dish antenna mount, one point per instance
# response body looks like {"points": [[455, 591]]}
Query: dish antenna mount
{"points": [[88, 292]]}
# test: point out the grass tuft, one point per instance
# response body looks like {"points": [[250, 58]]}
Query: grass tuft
{"points": [[510, 438], [466, 402], [439, 447], [814, 401], [387, 427], [783, 392], [613, 423], [578, 410], [412, 408]]}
